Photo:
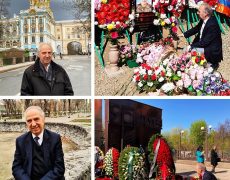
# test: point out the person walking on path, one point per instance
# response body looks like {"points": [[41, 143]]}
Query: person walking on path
{"points": [[200, 155], [214, 158]]}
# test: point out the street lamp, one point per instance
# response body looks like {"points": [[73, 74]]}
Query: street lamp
{"points": [[181, 133], [206, 131]]}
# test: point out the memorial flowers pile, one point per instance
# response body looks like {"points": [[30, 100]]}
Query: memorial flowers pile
{"points": [[113, 17], [131, 164], [111, 162], [163, 71], [127, 53]]}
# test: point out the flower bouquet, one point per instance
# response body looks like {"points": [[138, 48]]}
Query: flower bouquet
{"points": [[164, 160], [149, 78], [99, 157], [128, 55], [131, 164], [198, 58], [111, 162], [113, 17]]}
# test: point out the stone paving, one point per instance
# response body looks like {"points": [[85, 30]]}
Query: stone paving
{"points": [[188, 168]]}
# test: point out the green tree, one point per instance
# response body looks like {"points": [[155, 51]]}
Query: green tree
{"points": [[197, 136]]}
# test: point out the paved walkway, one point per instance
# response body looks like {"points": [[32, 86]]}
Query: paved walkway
{"points": [[15, 66], [188, 168]]}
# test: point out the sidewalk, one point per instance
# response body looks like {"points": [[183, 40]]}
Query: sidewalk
{"points": [[15, 66]]}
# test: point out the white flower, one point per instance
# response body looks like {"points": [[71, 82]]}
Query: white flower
{"points": [[170, 7], [210, 69], [162, 1], [173, 18], [102, 26], [168, 74], [140, 84], [217, 74], [166, 1], [167, 21], [157, 71], [167, 87], [95, 23], [156, 21], [180, 83], [163, 16], [179, 73], [150, 72], [118, 22], [150, 84], [131, 29], [161, 79], [142, 71], [139, 58], [136, 70], [131, 17]]}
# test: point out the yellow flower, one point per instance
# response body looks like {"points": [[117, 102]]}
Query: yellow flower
{"points": [[162, 23], [110, 27], [193, 59], [104, 1], [173, 24], [202, 62]]}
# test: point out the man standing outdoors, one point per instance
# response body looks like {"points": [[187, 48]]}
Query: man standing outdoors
{"points": [[208, 39], [38, 154], [203, 173], [45, 77]]}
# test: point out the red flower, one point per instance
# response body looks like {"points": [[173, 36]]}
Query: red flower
{"points": [[174, 29], [138, 78], [145, 77], [115, 154], [162, 73], [194, 53], [154, 77], [114, 34], [197, 60]]}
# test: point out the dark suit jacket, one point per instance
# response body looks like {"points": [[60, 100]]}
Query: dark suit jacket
{"points": [[208, 176], [211, 40], [53, 156]]}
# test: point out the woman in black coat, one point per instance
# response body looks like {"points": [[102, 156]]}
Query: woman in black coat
{"points": [[214, 158]]}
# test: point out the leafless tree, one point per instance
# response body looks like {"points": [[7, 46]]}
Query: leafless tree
{"points": [[4, 14], [81, 10]]}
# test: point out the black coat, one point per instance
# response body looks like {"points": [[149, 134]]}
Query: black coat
{"points": [[34, 83], [208, 176], [53, 156], [211, 40], [214, 158]]}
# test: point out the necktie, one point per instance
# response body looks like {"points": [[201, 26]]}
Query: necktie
{"points": [[36, 140]]}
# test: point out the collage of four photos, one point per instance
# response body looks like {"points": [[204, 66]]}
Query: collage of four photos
{"points": [[114, 90]]}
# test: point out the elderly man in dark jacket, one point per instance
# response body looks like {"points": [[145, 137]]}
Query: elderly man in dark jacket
{"points": [[208, 37], [45, 77]]}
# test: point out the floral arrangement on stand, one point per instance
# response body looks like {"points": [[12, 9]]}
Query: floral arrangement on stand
{"points": [[99, 157], [111, 162], [165, 167], [131, 164], [113, 16]]}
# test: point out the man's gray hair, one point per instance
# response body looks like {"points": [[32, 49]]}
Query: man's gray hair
{"points": [[208, 9], [201, 166], [38, 108], [44, 44]]}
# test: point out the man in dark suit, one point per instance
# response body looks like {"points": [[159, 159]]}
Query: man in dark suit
{"points": [[208, 39], [38, 154], [203, 173]]}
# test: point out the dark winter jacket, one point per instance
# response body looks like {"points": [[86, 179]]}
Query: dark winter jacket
{"points": [[214, 158], [211, 40], [35, 83]]}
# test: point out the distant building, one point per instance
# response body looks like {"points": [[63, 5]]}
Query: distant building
{"points": [[37, 24]]}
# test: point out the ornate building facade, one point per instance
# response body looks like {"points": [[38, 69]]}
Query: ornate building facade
{"points": [[37, 24]]}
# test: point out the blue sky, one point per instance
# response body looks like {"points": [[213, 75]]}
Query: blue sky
{"points": [[60, 13], [180, 113]]}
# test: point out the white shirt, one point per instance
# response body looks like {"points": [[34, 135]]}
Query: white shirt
{"points": [[40, 137], [202, 27]]}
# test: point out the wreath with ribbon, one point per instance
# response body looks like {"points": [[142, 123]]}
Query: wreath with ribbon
{"points": [[111, 162], [131, 164], [161, 157]]}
